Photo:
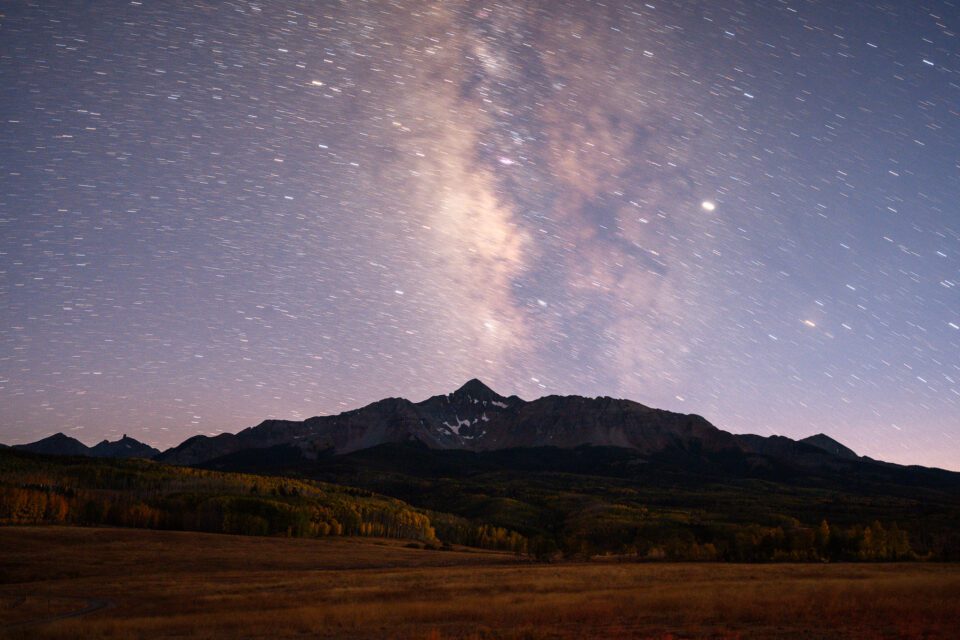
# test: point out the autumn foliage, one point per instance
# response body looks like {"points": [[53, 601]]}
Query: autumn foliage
{"points": [[138, 493], [38, 489]]}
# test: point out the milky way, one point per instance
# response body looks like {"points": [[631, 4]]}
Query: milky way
{"points": [[212, 213]]}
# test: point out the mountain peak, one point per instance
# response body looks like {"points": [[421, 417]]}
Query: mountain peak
{"points": [[476, 389], [57, 444], [125, 447], [828, 444]]}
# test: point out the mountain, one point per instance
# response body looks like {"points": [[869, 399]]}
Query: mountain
{"points": [[57, 444], [828, 444], [595, 475], [477, 419], [125, 447], [472, 418], [64, 445]]}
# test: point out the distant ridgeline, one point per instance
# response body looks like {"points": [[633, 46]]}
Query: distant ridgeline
{"points": [[61, 444], [557, 476]]}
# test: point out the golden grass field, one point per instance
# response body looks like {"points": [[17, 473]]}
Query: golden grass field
{"points": [[149, 584]]}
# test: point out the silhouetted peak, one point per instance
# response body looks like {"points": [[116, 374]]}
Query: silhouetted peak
{"points": [[826, 443], [58, 443], [58, 437], [125, 447], [476, 389]]}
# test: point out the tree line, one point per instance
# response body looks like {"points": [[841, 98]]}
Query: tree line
{"points": [[142, 494], [136, 493]]}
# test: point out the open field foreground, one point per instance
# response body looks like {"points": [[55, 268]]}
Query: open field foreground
{"points": [[147, 584]]}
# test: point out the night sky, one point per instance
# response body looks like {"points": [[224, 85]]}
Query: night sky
{"points": [[212, 213]]}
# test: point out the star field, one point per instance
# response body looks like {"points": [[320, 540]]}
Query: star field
{"points": [[214, 213]]}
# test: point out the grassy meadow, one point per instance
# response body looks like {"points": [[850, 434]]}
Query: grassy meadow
{"points": [[148, 584]]}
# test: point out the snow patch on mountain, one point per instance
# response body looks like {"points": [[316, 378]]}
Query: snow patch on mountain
{"points": [[460, 423]]}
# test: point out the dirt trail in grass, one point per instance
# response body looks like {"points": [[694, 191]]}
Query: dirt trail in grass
{"points": [[93, 604]]}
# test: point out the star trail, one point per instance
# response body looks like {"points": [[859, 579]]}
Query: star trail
{"points": [[214, 213]]}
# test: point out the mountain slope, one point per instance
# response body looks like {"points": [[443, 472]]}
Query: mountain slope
{"points": [[38, 488], [473, 418], [125, 447], [63, 445], [602, 475], [605, 499], [828, 444], [57, 444]]}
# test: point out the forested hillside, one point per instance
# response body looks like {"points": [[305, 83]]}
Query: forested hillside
{"points": [[138, 493], [591, 501], [546, 503]]}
